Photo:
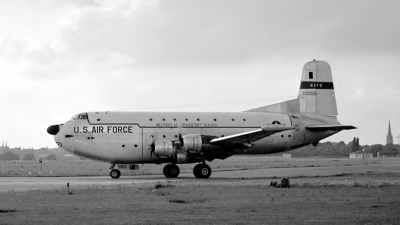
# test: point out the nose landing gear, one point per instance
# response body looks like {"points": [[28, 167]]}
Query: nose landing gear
{"points": [[115, 173]]}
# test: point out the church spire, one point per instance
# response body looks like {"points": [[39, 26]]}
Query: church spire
{"points": [[389, 137]]}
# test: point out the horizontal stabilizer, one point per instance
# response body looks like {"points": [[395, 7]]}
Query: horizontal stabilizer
{"points": [[330, 127]]}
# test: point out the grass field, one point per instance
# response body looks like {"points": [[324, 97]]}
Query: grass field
{"points": [[368, 194], [235, 201]]}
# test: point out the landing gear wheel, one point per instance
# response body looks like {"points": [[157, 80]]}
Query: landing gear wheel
{"points": [[171, 170], [202, 171], [115, 173]]}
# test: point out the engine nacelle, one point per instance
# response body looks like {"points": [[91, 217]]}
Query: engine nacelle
{"points": [[189, 148], [192, 143], [165, 149]]}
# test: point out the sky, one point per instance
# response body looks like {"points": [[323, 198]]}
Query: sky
{"points": [[61, 58]]}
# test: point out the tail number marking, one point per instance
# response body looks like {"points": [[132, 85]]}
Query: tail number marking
{"points": [[309, 93]]}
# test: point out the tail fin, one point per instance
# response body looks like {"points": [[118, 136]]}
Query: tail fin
{"points": [[316, 95]]}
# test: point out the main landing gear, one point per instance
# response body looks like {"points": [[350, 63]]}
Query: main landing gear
{"points": [[201, 170], [171, 170]]}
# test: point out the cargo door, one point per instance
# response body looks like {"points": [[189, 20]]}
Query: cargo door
{"points": [[124, 140]]}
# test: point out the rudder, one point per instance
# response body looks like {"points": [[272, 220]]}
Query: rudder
{"points": [[317, 94]]}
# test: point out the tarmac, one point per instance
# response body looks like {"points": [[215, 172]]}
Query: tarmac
{"points": [[8, 184]]}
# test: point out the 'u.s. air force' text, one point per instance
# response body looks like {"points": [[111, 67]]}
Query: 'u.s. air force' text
{"points": [[104, 129]]}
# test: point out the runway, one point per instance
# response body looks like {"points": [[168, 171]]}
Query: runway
{"points": [[48, 183]]}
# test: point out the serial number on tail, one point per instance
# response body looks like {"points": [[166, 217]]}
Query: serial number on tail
{"points": [[309, 93]]}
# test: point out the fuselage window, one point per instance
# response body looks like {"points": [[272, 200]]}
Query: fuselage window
{"points": [[310, 75]]}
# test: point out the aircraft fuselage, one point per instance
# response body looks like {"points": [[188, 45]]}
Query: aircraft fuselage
{"points": [[126, 137]]}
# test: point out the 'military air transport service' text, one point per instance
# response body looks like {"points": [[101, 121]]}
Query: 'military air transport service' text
{"points": [[125, 139]]}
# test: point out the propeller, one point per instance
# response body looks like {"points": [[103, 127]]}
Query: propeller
{"points": [[180, 139]]}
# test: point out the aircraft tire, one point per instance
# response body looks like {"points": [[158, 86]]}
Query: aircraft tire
{"points": [[202, 171], [171, 170], [196, 170], [115, 173]]}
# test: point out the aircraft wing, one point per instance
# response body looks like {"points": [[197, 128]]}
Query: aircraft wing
{"points": [[246, 138], [330, 127]]}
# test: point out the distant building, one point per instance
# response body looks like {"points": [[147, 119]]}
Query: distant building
{"points": [[4, 146], [388, 154], [389, 137], [360, 154], [390, 150]]}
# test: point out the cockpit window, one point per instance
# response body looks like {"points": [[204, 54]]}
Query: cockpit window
{"points": [[83, 116]]}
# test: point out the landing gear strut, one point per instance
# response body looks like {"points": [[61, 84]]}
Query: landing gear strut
{"points": [[171, 170], [202, 170]]}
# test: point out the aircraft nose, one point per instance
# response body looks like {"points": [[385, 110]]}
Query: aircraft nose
{"points": [[53, 130]]}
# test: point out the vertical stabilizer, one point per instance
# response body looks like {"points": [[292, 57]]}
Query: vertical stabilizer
{"points": [[317, 94]]}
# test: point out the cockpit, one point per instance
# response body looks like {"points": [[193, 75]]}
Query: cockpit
{"points": [[80, 116]]}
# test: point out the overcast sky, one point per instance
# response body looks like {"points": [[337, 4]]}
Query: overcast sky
{"points": [[60, 58]]}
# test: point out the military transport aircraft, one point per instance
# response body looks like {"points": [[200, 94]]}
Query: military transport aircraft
{"points": [[124, 138]]}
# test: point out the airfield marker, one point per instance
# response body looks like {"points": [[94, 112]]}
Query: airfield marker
{"points": [[40, 161]]}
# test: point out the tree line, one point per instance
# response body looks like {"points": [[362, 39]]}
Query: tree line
{"points": [[11, 156], [341, 149]]}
